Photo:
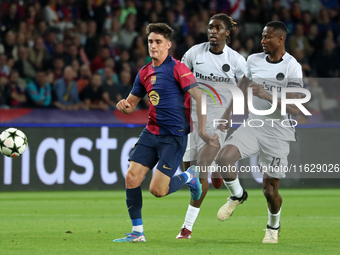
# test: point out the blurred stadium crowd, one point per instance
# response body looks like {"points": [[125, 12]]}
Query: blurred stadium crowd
{"points": [[85, 54]]}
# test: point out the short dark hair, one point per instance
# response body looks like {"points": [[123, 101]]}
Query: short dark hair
{"points": [[160, 28], [228, 22], [278, 26]]}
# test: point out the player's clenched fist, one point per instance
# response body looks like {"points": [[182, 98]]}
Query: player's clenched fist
{"points": [[259, 91], [123, 105]]}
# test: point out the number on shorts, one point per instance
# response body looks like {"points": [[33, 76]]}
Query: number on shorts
{"points": [[275, 162]]}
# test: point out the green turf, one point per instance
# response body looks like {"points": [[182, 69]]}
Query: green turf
{"points": [[37, 222]]}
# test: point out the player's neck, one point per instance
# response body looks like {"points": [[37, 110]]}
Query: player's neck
{"points": [[277, 55], [158, 61], [217, 48]]}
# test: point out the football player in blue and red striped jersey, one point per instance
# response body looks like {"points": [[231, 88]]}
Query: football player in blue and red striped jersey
{"points": [[169, 85]]}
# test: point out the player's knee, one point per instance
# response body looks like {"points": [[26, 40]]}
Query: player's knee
{"points": [[219, 160], [225, 160], [131, 180], [269, 193], [157, 192]]}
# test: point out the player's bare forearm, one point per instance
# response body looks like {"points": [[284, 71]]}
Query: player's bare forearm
{"points": [[259, 91], [229, 109], [243, 85], [196, 93], [290, 108], [128, 105]]}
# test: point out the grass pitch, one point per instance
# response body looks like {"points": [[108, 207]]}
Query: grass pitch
{"points": [[87, 222]]}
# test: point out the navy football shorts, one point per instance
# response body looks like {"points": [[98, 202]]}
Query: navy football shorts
{"points": [[167, 149]]}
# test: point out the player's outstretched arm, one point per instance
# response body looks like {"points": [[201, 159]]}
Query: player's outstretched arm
{"points": [[291, 108], [128, 105], [196, 94], [259, 91]]}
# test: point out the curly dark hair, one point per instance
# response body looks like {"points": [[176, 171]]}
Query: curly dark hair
{"points": [[228, 22]]}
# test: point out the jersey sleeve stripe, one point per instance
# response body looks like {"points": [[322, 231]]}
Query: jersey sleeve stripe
{"points": [[186, 74], [294, 85]]}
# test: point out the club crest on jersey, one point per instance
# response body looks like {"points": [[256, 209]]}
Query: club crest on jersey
{"points": [[226, 68], [153, 79], [280, 76], [154, 97]]}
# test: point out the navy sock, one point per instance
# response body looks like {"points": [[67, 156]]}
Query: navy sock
{"points": [[177, 182], [134, 204]]}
